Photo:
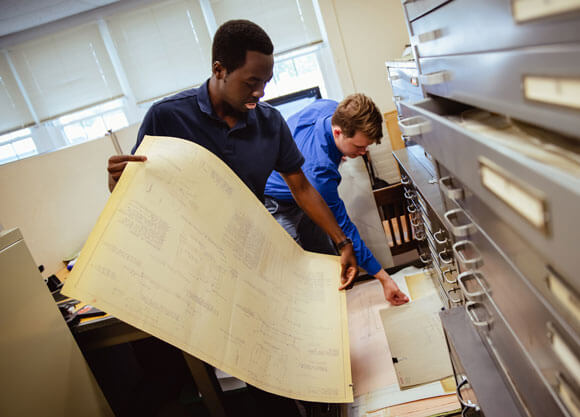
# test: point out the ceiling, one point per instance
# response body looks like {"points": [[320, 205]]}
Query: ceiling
{"points": [[19, 15]]}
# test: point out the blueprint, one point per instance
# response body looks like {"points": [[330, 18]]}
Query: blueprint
{"points": [[185, 252]]}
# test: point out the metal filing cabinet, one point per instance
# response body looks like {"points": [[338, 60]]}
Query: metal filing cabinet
{"points": [[500, 125]]}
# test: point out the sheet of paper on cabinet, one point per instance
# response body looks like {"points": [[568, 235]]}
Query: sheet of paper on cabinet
{"points": [[417, 341]]}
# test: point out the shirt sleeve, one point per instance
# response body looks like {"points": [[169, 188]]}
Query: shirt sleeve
{"points": [[290, 158], [326, 182], [149, 126]]}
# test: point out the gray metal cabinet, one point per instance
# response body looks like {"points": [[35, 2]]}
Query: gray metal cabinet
{"points": [[501, 123], [470, 26]]}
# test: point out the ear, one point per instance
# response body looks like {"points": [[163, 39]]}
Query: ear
{"points": [[218, 70], [336, 131]]}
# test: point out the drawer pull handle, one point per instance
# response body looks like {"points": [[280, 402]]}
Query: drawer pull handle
{"points": [[459, 230], [396, 99], [451, 193], [404, 180], [445, 261], [425, 261], [567, 395], [454, 300], [409, 195], [416, 224], [566, 296], [468, 403], [413, 126], [564, 353], [449, 281], [478, 278], [472, 262], [440, 241], [470, 306], [435, 78], [411, 209]]}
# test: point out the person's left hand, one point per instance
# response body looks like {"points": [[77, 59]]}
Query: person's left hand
{"points": [[391, 290], [348, 266]]}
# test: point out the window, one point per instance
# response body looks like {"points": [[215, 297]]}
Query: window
{"points": [[295, 72], [16, 145], [74, 85], [66, 71], [93, 123]]}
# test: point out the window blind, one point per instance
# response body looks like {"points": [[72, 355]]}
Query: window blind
{"points": [[163, 48], [66, 71], [290, 23], [13, 108]]}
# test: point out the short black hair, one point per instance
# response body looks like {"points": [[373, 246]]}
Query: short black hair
{"points": [[234, 38]]}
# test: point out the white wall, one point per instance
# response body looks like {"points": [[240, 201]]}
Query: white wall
{"points": [[362, 36], [56, 198]]}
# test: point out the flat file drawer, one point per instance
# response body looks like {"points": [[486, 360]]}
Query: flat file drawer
{"points": [[417, 8], [545, 278], [490, 393], [521, 325], [468, 26], [404, 80], [553, 193], [537, 85]]}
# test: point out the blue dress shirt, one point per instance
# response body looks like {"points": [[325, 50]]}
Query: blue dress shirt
{"points": [[312, 132]]}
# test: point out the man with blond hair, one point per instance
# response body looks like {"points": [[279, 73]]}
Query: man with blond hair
{"points": [[326, 132]]}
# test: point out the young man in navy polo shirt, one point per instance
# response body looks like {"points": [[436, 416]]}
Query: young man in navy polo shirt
{"points": [[326, 132], [225, 116]]}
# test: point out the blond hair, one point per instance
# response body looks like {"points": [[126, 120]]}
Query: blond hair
{"points": [[358, 113]]}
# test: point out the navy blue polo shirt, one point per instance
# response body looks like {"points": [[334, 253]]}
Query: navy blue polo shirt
{"points": [[259, 143]]}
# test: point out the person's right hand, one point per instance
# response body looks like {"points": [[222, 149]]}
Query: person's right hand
{"points": [[117, 164]]}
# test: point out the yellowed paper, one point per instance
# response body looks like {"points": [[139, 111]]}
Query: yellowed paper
{"points": [[419, 285], [417, 342], [184, 251]]}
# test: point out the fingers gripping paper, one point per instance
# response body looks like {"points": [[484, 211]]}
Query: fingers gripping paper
{"points": [[184, 251]]}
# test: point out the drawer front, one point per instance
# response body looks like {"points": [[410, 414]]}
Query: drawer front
{"points": [[416, 8], [404, 96], [405, 85], [462, 153], [537, 85], [520, 325], [543, 276], [468, 26], [490, 391]]}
